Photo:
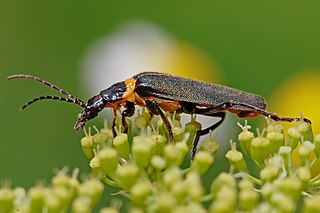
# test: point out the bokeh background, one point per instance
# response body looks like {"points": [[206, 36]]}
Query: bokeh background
{"points": [[271, 48]]}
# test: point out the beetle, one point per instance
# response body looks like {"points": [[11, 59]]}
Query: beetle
{"points": [[160, 92]]}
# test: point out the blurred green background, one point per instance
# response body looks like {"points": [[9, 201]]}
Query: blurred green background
{"points": [[256, 45]]}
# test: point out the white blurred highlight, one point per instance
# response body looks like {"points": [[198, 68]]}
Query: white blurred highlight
{"points": [[133, 48]]}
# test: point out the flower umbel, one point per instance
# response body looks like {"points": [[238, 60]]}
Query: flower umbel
{"points": [[155, 175]]}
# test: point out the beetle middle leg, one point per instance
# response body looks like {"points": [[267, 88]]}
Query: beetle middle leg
{"points": [[128, 112], [113, 126], [154, 108], [205, 131]]}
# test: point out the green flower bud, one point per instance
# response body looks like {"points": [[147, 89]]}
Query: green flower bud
{"points": [[306, 131], [52, 202], [60, 179], [194, 186], [119, 123], [317, 145], [245, 138], [245, 184], [304, 152], [263, 207], [224, 179], [146, 114], [293, 137], [171, 177], [248, 199], [173, 155], [272, 169], [64, 195], [285, 153], [211, 146], [158, 162], [180, 191], [95, 163], [108, 160], [266, 191], [202, 162], [290, 186], [158, 144], [183, 148], [164, 202], [21, 201], [127, 175], [260, 149], [140, 122], [106, 134], [311, 204], [139, 192], [177, 130], [6, 199], [190, 208], [36, 197], [274, 126], [121, 144], [269, 173], [283, 203], [141, 152], [73, 184], [192, 127], [136, 210], [304, 174], [91, 188], [109, 210], [236, 158], [276, 140], [226, 200], [99, 139], [81, 204], [87, 145]]}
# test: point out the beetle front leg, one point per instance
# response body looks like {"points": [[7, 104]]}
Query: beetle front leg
{"points": [[205, 131], [154, 108], [128, 112]]}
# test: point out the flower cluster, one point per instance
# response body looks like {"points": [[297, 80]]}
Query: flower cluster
{"points": [[157, 175], [63, 194]]}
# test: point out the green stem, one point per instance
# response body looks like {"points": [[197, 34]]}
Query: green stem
{"points": [[110, 182], [315, 159]]}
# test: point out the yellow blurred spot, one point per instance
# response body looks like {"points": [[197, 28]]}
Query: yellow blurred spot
{"points": [[301, 93], [191, 62]]}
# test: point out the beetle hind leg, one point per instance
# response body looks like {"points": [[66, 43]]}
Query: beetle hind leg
{"points": [[206, 131]]}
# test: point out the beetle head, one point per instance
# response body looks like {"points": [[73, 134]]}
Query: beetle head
{"points": [[90, 110]]}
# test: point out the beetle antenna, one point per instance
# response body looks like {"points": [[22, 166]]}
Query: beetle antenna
{"points": [[70, 98], [47, 97]]}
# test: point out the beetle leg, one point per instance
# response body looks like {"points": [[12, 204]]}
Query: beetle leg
{"points": [[128, 112], [250, 109], [154, 108], [206, 131], [113, 126]]}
